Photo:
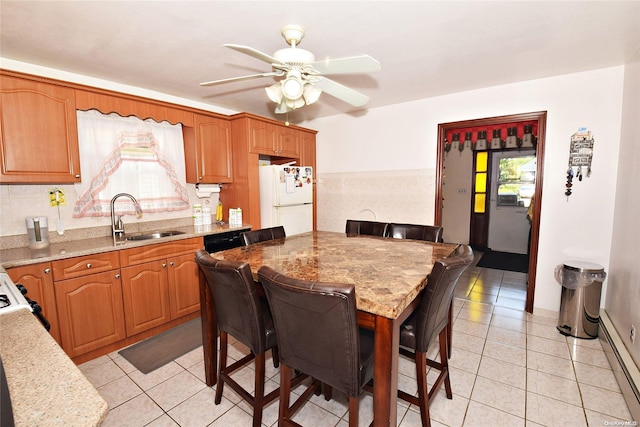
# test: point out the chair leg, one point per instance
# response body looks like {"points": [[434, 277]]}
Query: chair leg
{"points": [[258, 401], [327, 391], [275, 357], [222, 360], [423, 391], [353, 411], [285, 391], [450, 330], [445, 363]]}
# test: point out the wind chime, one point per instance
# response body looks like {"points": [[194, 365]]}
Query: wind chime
{"points": [[580, 155]]}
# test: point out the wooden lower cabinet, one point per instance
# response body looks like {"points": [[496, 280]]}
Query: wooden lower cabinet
{"points": [[146, 296], [38, 280], [160, 283], [184, 291], [90, 311]]}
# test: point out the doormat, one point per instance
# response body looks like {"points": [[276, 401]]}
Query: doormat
{"points": [[157, 351], [504, 261]]}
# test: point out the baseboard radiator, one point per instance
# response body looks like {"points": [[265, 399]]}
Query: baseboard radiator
{"points": [[624, 368]]}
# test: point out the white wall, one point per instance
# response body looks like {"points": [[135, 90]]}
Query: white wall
{"points": [[623, 293], [404, 136]]}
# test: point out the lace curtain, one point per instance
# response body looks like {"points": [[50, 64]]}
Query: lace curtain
{"points": [[128, 155]]}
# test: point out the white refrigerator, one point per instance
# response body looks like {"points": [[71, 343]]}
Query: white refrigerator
{"points": [[286, 197]]}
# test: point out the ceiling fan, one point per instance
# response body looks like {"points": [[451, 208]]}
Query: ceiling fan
{"points": [[304, 77]]}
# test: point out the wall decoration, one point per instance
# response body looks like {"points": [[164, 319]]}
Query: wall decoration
{"points": [[580, 156], [518, 135]]}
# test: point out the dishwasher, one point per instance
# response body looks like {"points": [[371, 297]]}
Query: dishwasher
{"points": [[223, 241]]}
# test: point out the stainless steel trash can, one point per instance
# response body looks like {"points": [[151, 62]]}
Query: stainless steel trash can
{"points": [[580, 301]]}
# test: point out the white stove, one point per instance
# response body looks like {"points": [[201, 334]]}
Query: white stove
{"points": [[11, 298]]}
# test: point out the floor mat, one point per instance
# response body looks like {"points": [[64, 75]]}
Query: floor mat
{"points": [[504, 261], [154, 352]]}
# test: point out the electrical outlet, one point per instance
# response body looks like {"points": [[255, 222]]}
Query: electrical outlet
{"points": [[633, 334]]}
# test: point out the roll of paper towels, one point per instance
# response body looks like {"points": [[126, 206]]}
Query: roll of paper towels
{"points": [[205, 190]]}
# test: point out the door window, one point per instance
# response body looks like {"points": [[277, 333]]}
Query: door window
{"points": [[516, 180]]}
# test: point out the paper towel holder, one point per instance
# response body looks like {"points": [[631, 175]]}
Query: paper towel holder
{"points": [[206, 190]]}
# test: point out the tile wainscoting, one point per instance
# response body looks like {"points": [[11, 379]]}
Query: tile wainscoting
{"points": [[395, 196]]}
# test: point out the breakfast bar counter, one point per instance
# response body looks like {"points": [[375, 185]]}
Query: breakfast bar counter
{"points": [[388, 275], [45, 386]]}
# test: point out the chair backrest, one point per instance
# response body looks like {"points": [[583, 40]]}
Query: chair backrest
{"points": [[371, 228], [264, 234], [237, 302], [432, 233], [433, 312], [316, 328]]}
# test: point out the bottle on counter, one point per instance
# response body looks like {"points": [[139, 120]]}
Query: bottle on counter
{"points": [[206, 215], [197, 215]]}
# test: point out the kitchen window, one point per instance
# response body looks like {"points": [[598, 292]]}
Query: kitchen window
{"points": [[129, 155]]}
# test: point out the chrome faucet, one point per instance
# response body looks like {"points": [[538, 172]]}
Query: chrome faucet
{"points": [[117, 226]]}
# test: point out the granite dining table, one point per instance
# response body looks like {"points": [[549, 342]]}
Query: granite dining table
{"points": [[388, 275]]}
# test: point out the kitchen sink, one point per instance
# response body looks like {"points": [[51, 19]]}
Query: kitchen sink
{"points": [[156, 235]]}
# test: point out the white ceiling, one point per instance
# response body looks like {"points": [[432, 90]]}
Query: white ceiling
{"points": [[426, 48]]}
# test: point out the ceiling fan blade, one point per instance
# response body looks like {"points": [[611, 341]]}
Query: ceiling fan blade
{"points": [[354, 64], [254, 52], [342, 92], [250, 76]]}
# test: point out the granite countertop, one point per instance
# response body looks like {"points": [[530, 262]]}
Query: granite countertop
{"points": [[388, 273], [46, 387], [24, 256]]}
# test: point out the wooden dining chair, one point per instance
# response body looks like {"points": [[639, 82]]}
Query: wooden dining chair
{"points": [[263, 234], [318, 335], [370, 228], [243, 314], [431, 233], [431, 319]]}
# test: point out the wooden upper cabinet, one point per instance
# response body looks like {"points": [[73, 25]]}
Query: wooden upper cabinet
{"points": [[273, 140], [308, 150], [288, 142], [262, 137], [39, 135], [208, 151]]}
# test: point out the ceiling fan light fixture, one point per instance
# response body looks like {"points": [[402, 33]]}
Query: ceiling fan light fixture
{"points": [[311, 93], [274, 92], [294, 103], [293, 85]]}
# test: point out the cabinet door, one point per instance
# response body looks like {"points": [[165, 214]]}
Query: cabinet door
{"points": [[262, 137], [213, 150], [308, 158], [36, 115], [145, 292], [90, 312], [288, 142], [38, 280], [184, 288]]}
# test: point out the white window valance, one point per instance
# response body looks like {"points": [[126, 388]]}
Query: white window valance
{"points": [[128, 155]]}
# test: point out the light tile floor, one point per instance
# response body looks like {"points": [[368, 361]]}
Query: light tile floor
{"points": [[508, 367]]}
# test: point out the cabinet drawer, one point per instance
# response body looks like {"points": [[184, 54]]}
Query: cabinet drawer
{"points": [[160, 251], [82, 266]]}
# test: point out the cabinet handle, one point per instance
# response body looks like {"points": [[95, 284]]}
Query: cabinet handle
{"points": [[171, 263], [77, 175], [118, 276], [47, 270], [164, 265], [199, 178], [88, 265]]}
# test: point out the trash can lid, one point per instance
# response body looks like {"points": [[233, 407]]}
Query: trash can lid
{"points": [[583, 266]]}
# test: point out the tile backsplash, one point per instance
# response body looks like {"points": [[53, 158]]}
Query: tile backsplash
{"points": [[391, 196], [20, 201]]}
